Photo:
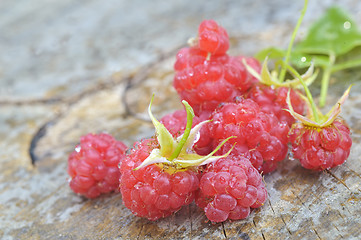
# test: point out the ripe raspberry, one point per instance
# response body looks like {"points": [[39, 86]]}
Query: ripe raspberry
{"points": [[273, 100], [212, 38], [154, 191], [321, 148], [211, 82], [93, 166], [320, 141], [260, 136], [206, 76], [157, 176], [229, 187]]}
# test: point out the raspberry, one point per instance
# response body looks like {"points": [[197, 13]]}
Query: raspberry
{"points": [[153, 191], [259, 136], [212, 38], [212, 82], [273, 100], [320, 141], [229, 187], [93, 166], [206, 76], [321, 148], [157, 176]]}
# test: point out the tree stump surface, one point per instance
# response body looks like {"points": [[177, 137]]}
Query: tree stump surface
{"points": [[73, 67]]}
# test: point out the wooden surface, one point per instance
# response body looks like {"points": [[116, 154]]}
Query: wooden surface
{"points": [[68, 68]]}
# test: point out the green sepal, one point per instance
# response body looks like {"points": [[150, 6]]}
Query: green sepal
{"points": [[189, 160], [154, 157], [164, 137], [324, 120]]}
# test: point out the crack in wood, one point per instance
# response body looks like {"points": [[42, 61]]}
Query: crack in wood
{"points": [[338, 179], [224, 231], [317, 233], [191, 221], [140, 231], [138, 79], [36, 138], [47, 101], [284, 222], [298, 197], [355, 173], [289, 231]]}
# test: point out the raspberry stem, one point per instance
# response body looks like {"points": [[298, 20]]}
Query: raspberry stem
{"points": [[325, 80], [180, 145], [307, 90], [288, 54]]}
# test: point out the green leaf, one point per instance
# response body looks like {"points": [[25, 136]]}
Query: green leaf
{"points": [[271, 53], [334, 33], [298, 59]]}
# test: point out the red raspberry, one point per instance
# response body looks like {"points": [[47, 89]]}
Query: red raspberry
{"points": [[273, 100], [321, 148], [206, 76], [204, 84], [93, 166], [259, 136], [212, 38], [157, 176], [154, 191], [229, 187]]}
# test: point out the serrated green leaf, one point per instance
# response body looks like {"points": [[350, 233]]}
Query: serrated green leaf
{"points": [[334, 33]]}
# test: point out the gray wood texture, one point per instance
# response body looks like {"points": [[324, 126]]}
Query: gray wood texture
{"points": [[68, 68]]}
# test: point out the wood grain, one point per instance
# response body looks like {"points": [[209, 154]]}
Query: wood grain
{"points": [[46, 104]]}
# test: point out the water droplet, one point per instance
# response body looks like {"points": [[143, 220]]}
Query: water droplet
{"points": [[347, 25], [303, 59], [77, 149]]}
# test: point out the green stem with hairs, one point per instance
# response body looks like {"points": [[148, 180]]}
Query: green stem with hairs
{"points": [[307, 90], [180, 145], [288, 54], [326, 79]]}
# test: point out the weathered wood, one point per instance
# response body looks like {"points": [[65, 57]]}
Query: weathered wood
{"points": [[77, 65]]}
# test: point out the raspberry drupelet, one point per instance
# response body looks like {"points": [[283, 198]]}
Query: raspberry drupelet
{"points": [[93, 166]]}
